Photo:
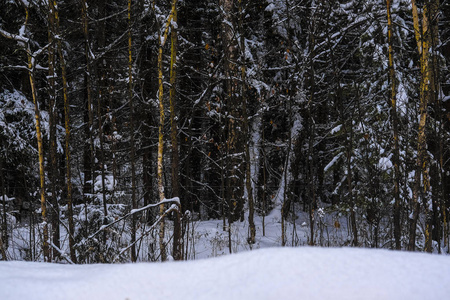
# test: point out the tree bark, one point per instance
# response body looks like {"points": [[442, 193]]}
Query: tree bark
{"points": [[37, 116], [162, 40], [53, 172], [4, 232], [176, 252], [62, 62], [394, 118], [424, 41], [243, 92], [235, 147], [90, 176], [134, 205]]}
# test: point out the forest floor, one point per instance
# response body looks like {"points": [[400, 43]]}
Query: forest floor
{"points": [[213, 238], [209, 239]]}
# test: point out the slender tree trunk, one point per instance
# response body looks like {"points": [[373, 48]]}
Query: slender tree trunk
{"points": [[89, 176], [172, 100], [53, 172], [264, 193], [162, 40], [90, 107], [67, 136], [421, 139], [235, 148], [394, 118], [311, 189], [432, 36], [424, 42], [4, 234], [160, 170], [102, 156], [101, 95], [148, 181], [351, 200], [248, 173], [422, 135], [45, 247], [176, 252], [248, 182], [134, 205], [286, 203], [223, 164], [311, 130]]}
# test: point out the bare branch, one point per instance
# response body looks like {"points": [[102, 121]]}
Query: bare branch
{"points": [[175, 200]]}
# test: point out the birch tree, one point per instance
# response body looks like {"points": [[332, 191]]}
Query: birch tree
{"points": [[163, 35], [424, 29], [24, 42]]}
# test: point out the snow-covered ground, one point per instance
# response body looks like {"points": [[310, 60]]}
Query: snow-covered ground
{"points": [[275, 273]]}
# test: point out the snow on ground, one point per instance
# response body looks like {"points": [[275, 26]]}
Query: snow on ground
{"points": [[275, 273], [208, 239]]}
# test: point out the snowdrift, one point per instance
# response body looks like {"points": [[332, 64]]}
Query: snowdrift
{"points": [[276, 273]]}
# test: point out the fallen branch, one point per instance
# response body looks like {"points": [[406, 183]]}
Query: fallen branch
{"points": [[172, 208], [175, 200], [63, 254]]}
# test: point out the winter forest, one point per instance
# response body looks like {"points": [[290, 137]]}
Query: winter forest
{"points": [[148, 130]]}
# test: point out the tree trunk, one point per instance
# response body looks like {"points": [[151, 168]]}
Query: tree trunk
{"points": [[235, 147], [394, 118], [162, 40], [4, 232], [160, 170], [425, 41], [134, 205], [53, 172], [67, 136], [248, 173], [37, 116], [102, 78], [176, 252], [311, 131], [89, 170], [351, 200]]}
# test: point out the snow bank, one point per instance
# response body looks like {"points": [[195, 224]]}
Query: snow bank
{"points": [[276, 273]]}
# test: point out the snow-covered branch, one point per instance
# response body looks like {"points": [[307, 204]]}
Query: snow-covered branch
{"points": [[12, 36], [174, 200], [172, 208], [63, 254]]}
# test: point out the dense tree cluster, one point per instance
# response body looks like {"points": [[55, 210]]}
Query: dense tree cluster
{"points": [[125, 119]]}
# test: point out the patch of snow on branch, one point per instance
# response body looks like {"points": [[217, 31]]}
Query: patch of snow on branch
{"points": [[384, 163]]}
